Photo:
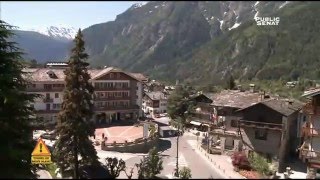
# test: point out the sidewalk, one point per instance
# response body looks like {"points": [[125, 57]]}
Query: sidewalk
{"points": [[221, 163]]}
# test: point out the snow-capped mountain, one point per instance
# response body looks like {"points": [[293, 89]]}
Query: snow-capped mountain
{"points": [[56, 32]]}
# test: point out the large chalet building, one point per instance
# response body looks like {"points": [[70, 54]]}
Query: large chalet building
{"points": [[117, 94]]}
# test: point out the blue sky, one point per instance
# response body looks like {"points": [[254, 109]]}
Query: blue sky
{"points": [[77, 14]]}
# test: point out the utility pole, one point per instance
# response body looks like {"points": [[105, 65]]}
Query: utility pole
{"points": [[177, 164]]}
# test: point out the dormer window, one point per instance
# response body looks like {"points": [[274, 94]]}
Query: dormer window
{"points": [[52, 75]]}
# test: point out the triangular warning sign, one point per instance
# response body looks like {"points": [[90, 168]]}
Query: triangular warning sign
{"points": [[41, 149]]}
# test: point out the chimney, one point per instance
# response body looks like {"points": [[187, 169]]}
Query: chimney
{"points": [[252, 88]]}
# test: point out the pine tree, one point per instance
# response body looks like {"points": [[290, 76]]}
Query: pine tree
{"points": [[75, 125], [15, 123], [150, 166]]}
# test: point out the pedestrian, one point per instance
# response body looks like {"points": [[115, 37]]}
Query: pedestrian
{"points": [[102, 135], [94, 136]]}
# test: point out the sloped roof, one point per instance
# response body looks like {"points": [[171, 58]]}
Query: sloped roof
{"points": [[140, 76], [41, 74], [311, 92], [235, 99], [156, 95], [280, 105]]}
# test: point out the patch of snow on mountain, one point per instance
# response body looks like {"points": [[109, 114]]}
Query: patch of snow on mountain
{"points": [[225, 13], [57, 32], [235, 26], [137, 5], [282, 5], [256, 3], [156, 7], [150, 11], [212, 18], [221, 22]]}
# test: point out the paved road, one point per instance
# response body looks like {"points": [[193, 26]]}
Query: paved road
{"points": [[43, 174], [187, 157]]}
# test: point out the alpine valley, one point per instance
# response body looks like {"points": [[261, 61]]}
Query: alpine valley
{"points": [[197, 41]]}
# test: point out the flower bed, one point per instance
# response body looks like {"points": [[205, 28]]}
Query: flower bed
{"points": [[249, 174]]}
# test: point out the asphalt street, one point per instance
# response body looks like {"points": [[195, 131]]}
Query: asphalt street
{"points": [[187, 157]]}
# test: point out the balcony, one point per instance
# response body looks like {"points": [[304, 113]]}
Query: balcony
{"points": [[118, 108], [224, 133], [58, 89], [112, 88], [112, 98], [262, 125], [47, 100], [307, 152]]}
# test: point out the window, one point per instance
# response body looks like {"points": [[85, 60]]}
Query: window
{"points": [[47, 95], [111, 75], [261, 134], [234, 123], [56, 95]]}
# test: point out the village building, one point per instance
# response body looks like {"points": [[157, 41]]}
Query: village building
{"points": [[117, 94], [310, 148]]}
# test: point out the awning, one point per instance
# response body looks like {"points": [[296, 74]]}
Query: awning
{"points": [[195, 123]]}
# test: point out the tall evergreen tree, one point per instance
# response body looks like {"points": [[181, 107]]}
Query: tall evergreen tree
{"points": [[74, 126], [15, 123]]}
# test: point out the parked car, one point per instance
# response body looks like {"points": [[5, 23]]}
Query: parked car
{"points": [[157, 115], [50, 136]]}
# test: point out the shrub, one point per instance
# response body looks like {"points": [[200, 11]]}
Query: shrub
{"points": [[185, 173], [259, 164], [240, 161]]}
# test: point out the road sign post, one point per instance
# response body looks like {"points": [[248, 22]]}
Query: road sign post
{"points": [[41, 153]]}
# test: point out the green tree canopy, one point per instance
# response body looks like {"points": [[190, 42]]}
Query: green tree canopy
{"points": [[15, 123], [150, 166], [75, 125], [180, 103]]}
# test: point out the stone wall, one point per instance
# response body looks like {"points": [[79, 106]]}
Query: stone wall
{"points": [[140, 146]]}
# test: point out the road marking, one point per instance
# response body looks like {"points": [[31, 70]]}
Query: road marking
{"points": [[125, 130]]}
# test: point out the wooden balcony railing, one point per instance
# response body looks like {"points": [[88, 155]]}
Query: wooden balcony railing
{"points": [[309, 154], [107, 108], [60, 89], [262, 125], [111, 88]]}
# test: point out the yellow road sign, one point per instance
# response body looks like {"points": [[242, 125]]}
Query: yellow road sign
{"points": [[41, 153], [41, 160]]}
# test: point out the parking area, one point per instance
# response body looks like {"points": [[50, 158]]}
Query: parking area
{"points": [[120, 133]]}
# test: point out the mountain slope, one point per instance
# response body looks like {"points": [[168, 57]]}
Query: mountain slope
{"points": [[287, 51], [161, 36], [41, 47]]}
